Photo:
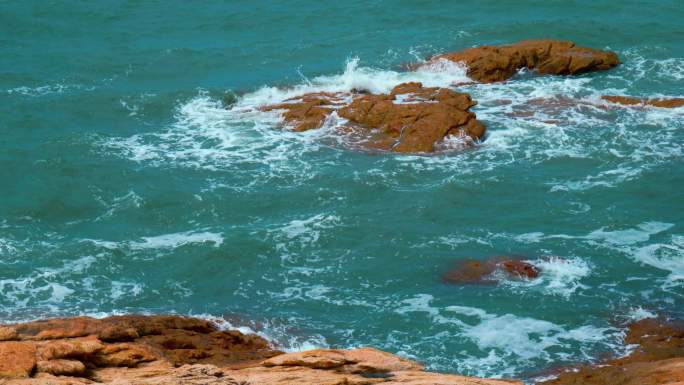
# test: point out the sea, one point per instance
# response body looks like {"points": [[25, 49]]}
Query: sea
{"points": [[138, 174]]}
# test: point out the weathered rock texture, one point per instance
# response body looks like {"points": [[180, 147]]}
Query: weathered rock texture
{"points": [[630, 101], [171, 350], [475, 271], [658, 360], [411, 118], [489, 64]]}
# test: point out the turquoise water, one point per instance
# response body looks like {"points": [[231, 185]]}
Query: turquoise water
{"points": [[137, 175]]}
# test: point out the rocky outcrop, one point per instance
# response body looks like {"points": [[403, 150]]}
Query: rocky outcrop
{"points": [[172, 350], [658, 359], [411, 118], [638, 102], [489, 64], [476, 271]]}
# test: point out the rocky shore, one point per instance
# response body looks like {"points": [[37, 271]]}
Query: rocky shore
{"points": [[176, 350]]}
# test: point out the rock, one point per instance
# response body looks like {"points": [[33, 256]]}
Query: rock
{"points": [[475, 271], [58, 328], [62, 367], [315, 359], [470, 271], [520, 268], [658, 360], [8, 334], [69, 348], [124, 354], [174, 350], [411, 118], [17, 359], [489, 64], [364, 360], [630, 101]]}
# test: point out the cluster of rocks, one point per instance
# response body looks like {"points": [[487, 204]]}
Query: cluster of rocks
{"points": [[416, 119], [410, 118], [173, 350]]}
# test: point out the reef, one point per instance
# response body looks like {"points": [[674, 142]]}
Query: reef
{"points": [[175, 350], [490, 64], [410, 118]]}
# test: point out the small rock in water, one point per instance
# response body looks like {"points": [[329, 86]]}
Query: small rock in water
{"points": [[474, 271]]}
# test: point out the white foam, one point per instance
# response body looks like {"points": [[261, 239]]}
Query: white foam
{"points": [[506, 342], [638, 313], [177, 240], [630, 236], [163, 241], [559, 276], [303, 232], [48, 89], [7, 247], [665, 256], [277, 334]]}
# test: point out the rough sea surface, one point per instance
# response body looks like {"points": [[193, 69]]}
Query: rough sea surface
{"points": [[138, 175]]}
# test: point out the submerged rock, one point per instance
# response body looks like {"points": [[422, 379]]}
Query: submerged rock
{"points": [[474, 271], [411, 118], [489, 64], [171, 350], [658, 359], [630, 101]]}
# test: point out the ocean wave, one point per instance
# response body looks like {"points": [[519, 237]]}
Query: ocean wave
{"points": [[507, 342]]}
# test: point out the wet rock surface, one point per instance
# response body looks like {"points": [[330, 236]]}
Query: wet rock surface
{"points": [[631, 101], [490, 64], [484, 272], [173, 350], [411, 118], [657, 360]]}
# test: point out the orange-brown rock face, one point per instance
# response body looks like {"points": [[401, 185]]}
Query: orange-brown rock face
{"points": [[73, 346], [473, 271], [411, 118], [171, 350], [490, 64], [630, 101], [658, 360]]}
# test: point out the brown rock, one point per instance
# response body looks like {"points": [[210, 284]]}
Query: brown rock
{"points": [[521, 269], [124, 354], [58, 328], [62, 367], [630, 101], [69, 348], [8, 334], [411, 118], [17, 359], [474, 271], [470, 271], [497, 63]]}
